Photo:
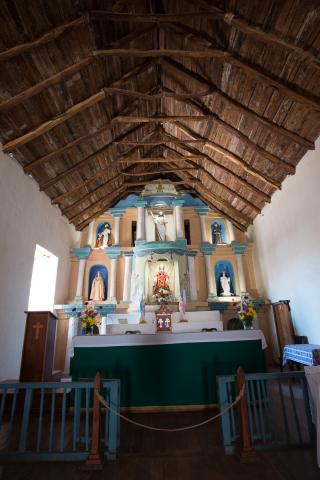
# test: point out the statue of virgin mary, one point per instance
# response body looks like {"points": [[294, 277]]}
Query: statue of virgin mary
{"points": [[97, 289]]}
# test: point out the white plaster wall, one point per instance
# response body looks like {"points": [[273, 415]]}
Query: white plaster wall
{"points": [[287, 236], [26, 218]]}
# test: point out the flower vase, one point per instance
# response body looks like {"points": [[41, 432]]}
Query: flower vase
{"points": [[248, 324]]}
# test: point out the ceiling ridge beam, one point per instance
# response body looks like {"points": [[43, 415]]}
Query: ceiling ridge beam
{"points": [[70, 112], [250, 69], [161, 159], [244, 183], [234, 20], [146, 17], [47, 37], [220, 184], [247, 112], [231, 156], [56, 78], [161, 118], [156, 96], [287, 167], [169, 170]]}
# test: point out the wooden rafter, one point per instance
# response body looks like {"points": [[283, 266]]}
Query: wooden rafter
{"points": [[181, 69], [257, 33], [215, 181], [40, 86], [70, 112], [220, 54], [248, 186], [47, 37], [101, 173], [204, 110], [84, 161], [230, 156]]}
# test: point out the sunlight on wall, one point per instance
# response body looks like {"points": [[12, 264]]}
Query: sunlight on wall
{"points": [[43, 281]]}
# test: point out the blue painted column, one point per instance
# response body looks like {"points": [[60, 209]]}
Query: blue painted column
{"points": [[82, 254], [207, 250], [117, 213], [113, 253], [239, 249]]}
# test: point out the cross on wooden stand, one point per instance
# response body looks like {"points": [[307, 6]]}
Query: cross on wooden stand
{"points": [[37, 327], [163, 319]]}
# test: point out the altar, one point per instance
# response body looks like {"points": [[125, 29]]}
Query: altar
{"points": [[168, 370]]}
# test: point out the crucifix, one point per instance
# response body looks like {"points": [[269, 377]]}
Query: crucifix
{"points": [[38, 327]]}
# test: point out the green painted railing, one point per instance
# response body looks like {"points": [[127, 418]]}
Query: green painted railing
{"points": [[278, 410], [53, 421]]}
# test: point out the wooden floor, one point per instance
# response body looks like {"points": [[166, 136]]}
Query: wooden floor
{"points": [[192, 455]]}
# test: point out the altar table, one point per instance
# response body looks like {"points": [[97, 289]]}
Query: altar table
{"points": [[168, 369], [313, 378], [305, 353]]}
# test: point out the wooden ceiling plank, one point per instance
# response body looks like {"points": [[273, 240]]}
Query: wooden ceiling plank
{"points": [[40, 86], [178, 67], [46, 38], [221, 185], [70, 112], [248, 186], [250, 69], [257, 33], [230, 156], [68, 193], [204, 110], [83, 162]]}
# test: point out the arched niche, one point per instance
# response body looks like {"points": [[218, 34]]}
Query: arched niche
{"points": [[104, 274], [99, 231], [226, 266], [222, 228]]}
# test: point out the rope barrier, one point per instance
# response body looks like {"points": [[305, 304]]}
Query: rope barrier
{"points": [[179, 429]]}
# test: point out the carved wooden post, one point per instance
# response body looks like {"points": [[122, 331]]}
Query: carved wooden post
{"points": [[247, 452], [95, 459]]}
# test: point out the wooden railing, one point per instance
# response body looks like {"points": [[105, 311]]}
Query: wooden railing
{"points": [[56, 421], [274, 412]]}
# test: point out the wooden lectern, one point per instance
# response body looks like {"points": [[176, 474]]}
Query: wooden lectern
{"points": [[38, 347]]}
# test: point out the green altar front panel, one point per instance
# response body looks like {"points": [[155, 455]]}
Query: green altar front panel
{"points": [[175, 374]]}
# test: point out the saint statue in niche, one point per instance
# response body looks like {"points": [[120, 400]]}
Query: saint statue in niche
{"points": [[216, 233], [225, 286], [97, 289], [103, 238], [161, 288], [160, 222]]}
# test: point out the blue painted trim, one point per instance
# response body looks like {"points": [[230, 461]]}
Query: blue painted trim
{"points": [[117, 212], [112, 252], [140, 203], [73, 308], [238, 248], [202, 210], [143, 248], [82, 253], [191, 253], [207, 248], [128, 253], [178, 202]]}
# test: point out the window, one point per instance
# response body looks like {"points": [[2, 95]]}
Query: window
{"points": [[187, 231], [133, 232], [43, 280]]}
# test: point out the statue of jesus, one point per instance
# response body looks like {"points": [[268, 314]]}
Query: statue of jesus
{"points": [[160, 223]]}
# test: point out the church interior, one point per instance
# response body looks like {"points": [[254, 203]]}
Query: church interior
{"points": [[160, 267]]}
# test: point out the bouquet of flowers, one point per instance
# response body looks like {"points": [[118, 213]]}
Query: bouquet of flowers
{"points": [[162, 295], [89, 320], [247, 312]]}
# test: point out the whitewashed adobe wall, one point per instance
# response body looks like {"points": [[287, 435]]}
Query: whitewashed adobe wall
{"points": [[287, 237], [26, 218]]}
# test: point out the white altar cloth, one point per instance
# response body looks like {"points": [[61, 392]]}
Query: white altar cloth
{"points": [[167, 338], [313, 378]]}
